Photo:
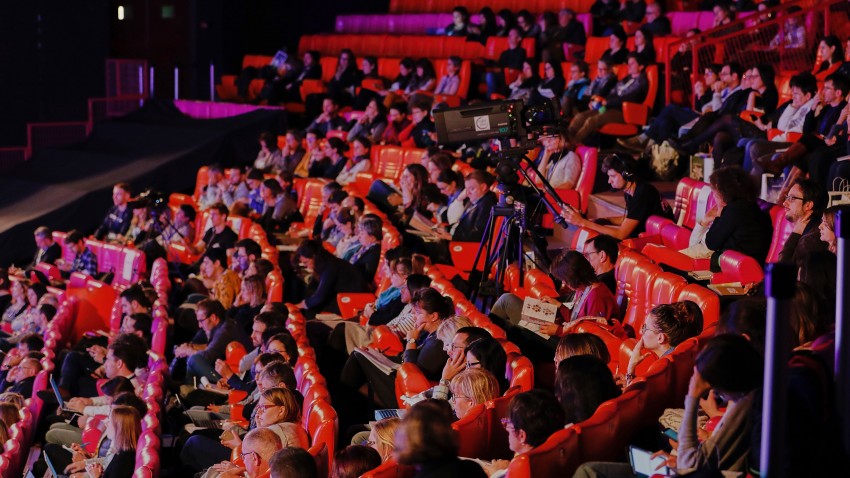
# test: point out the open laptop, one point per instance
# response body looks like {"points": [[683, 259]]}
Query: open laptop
{"points": [[200, 423], [51, 467], [59, 396]]}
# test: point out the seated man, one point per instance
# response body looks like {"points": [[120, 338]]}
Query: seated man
{"points": [[602, 251], [213, 192], [222, 283], [803, 209], [293, 463], [210, 343], [420, 133], [117, 220], [642, 201], [124, 356], [84, 259], [366, 259], [328, 120], [48, 251], [181, 229], [219, 235], [21, 377], [656, 21], [633, 89], [472, 223], [262, 322]]}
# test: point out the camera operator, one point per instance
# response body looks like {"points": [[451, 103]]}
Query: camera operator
{"points": [[642, 201]]}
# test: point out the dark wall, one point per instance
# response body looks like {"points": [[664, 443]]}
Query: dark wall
{"points": [[53, 60], [219, 32]]}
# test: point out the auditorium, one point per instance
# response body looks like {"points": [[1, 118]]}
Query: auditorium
{"points": [[425, 238]]}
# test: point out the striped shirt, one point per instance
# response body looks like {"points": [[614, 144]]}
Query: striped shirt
{"points": [[404, 322]]}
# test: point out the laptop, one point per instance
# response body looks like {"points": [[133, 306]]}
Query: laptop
{"points": [[59, 397], [51, 467], [198, 422], [644, 465]]}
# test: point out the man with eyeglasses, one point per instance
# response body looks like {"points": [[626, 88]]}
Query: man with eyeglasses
{"points": [[601, 251], [803, 206], [21, 378], [258, 446]]}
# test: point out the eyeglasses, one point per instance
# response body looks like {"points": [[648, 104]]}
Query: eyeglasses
{"points": [[472, 364], [243, 455], [370, 443], [455, 397], [644, 328], [263, 408], [506, 424], [790, 198], [453, 346], [587, 253]]}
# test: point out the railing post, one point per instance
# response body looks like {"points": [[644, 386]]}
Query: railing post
{"points": [[780, 282], [842, 327], [176, 83], [212, 83], [150, 79]]}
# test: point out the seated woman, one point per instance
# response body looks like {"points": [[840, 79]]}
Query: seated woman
{"points": [[471, 388], [329, 276], [552, 85], [346, 78], [269, 154], [488, 354], [533, 417], [591, 298], [382, 437], [360, 162], [365, 260], [424, 78], [558, 164], [526, 81], [581, 344], [371, 125], [450, 83], [345, 239], [831, 53], [401, 205], [354, 461], [249, 302], [644, 45], [616, 53], [737, 221], [425, 439], [666, 326], [423, 349], [123, 429], [582, 383], [827, 227]]}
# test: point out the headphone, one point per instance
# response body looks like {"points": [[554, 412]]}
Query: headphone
{"points": [[625, 165]]}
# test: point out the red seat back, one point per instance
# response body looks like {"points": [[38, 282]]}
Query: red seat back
{"points": [[557, 456], [322, 426], [471, 430], [707, 301], [782, 228], [520, 372]]}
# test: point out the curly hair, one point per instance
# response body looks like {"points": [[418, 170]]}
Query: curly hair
{"points": [[732, 183], [573, 269]]}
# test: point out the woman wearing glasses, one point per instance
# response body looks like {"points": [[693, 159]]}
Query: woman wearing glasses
{"points": [[470, 388], [665, 327]]}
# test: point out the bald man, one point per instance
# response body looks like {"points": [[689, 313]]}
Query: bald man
{"points": [[258, 446]]}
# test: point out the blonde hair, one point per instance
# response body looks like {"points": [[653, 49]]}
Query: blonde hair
{"points": [[15, 399], [127, 424], [285, 398], [385, 436], [477, 384], [449, 327], [10, 413]]}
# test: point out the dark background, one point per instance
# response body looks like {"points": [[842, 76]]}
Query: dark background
{"points": [[53, 52]]}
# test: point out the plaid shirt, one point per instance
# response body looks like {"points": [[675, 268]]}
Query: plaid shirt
{"points": [[85, 262]]}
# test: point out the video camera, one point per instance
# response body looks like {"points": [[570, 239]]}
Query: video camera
{"points": [[149, 198], [510, 119]]}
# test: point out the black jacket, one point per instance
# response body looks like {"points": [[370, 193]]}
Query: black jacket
{"points": [[470, 227], [742, 227], [336, 276]]}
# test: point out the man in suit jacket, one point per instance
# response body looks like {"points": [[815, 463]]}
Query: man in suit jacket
{"points": [[48, 251], [23, 378], [472, 223]]}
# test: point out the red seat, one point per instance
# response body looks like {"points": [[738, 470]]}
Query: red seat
{"points": [[409, 381], [322, 426], [233, 354], [471, 430], [664, 289], [643, 274], [390, 469], [557, 456], [706, 299], [782, 228], [319, 451], [274, 286], [737, 267], [463, 257], [520, 372], [351, 304], [612, 342], [498, 436], [580, 237]]}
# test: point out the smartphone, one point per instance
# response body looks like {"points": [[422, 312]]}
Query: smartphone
{"points": [[671, 434], [644, 465]]}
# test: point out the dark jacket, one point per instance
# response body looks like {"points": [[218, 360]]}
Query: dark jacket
{"points": [[115, 222], [225, 332], [428, 355], [799, 245], [367, 262], [48, 255], [123, 464], [336, 276], [742, 227], [450, 468], [632, 90], [470, 227]]}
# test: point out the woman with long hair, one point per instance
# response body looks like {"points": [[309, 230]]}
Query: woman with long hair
{"points": [[123, 429]]}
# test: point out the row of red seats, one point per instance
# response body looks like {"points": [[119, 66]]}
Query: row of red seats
{"points": [[436, 6], [15, 449], [423, 23], [416, 46], [126, 262]]}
